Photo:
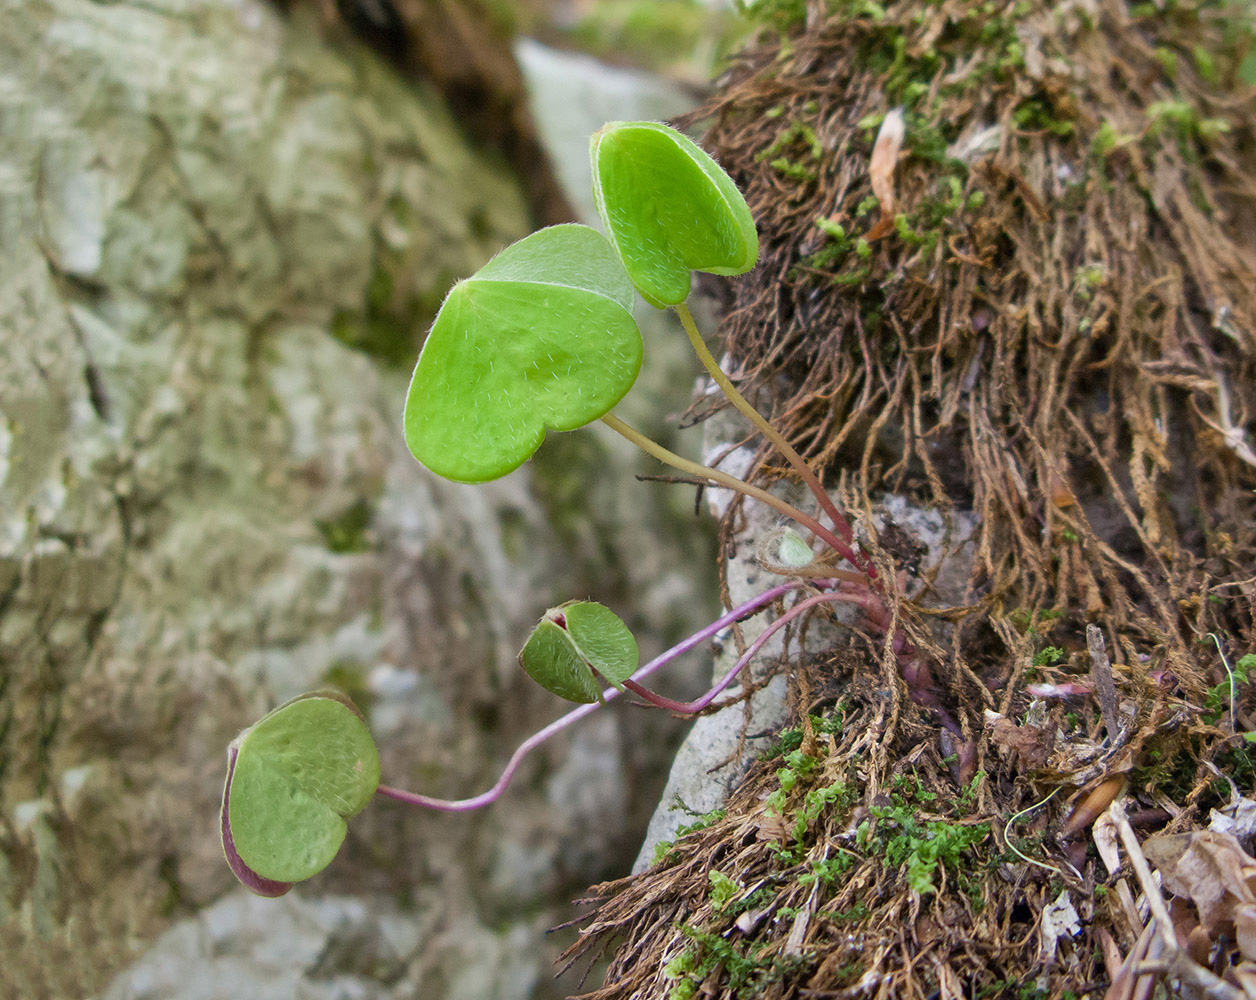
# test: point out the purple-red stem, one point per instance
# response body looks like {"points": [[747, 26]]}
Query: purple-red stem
{"points": [[558, 725], [690, 707]]}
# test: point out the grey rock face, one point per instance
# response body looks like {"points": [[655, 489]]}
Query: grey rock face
{"points": [[331, 948], [220, 241]]}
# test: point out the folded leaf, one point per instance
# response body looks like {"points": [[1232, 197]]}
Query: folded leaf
{"points": [[669, 209], [576, 644]]}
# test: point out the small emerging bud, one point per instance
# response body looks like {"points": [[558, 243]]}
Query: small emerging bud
{"points": [[884, 158]]}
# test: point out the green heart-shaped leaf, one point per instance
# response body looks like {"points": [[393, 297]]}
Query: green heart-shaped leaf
{"points": [[542, 337], [573, 641], [669, 209], [292, 780]]}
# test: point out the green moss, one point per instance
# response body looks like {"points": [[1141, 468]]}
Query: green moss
{"points": [[1087, 280], [797, 765], [1168, 60], [866, 205], [832, 229], [798, 768], [663, 849], [723, 889], [748, 971], [348, 531], [828, 871], [983, 36], [797, 133], [1205, 65], [928, 240], [350, 676], [833, 251], [789, 740], [942, 208], [1037, 114], [858, 911], [1107, 139], [791, 170], [701, 823], [856, 277], [800, 141], [1184, 121], [1168, 768], [1034, 622], [1172, 767], [1049, 656], [930, 140], [921, 847]]}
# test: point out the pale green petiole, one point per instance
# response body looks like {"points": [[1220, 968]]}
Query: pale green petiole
{"points": [[772, 434], [691, 468]]}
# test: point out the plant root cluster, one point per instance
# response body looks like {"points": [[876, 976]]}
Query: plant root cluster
{"points": [[861, 879], [1053, 326]]}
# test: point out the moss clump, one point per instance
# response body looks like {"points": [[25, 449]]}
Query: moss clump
{"points": [[348, 531], [747, 973], [923, 849], [801, 143]]}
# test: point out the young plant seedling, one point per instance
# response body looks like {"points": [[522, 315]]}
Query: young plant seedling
{"points": [[577, 648], [542, 338]]}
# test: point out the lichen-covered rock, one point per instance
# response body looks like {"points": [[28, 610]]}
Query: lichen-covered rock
{"points": [[220, 241], [336, 946]]}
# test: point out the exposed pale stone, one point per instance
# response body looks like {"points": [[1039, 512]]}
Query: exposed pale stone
{"points": [[220, 240]]}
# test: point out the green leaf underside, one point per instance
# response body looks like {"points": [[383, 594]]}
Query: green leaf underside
{"points": [[542, 337], [670, 209], [299, 773], [563, 660], [604, 640], [551, 660]]}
